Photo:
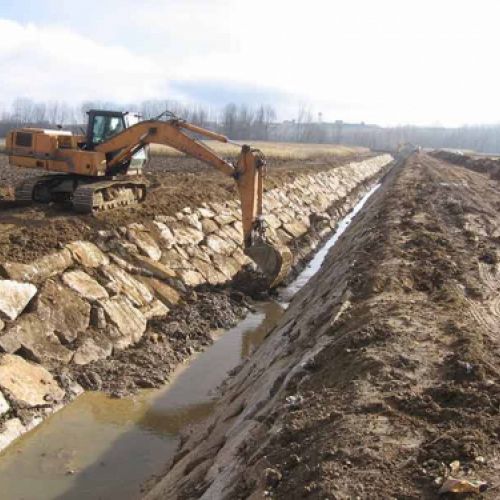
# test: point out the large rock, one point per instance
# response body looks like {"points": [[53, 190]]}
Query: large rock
{"points": [[27, 383], [272, 221], [144, 241], [120, 282], [92, 349], [38, 271], [191, 277], [199, 252], [87, 254], [37, 339], [14, 297], [64, 310], [11, 430], [130, 323], [209, 226], [166, 235], [156, 309], [163, 291], [224, 219], [240, 258], [227, 265], [231, 235], [157, 269], [4, 405], [219, 245], [123, 248], [296, 228], [192, 220], [84, 285], [205, 213], [281, 236], [186, 235], [175, 260], [208, 271]]}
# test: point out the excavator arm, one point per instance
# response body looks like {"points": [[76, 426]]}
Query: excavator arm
{"points": [[248, 173]]}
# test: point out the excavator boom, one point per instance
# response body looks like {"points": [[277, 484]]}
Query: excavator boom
{"points": [[248, 173], [87, 170]]}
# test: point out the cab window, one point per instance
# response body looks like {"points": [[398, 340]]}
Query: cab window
{"points": [[105, 127]]}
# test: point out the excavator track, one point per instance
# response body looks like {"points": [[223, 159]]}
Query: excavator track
{"points": [[84, 196], [25, 193], [107, 195]]}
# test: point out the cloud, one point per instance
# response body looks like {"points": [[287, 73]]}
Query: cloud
{"points": [[56, 63], [387, 61]]}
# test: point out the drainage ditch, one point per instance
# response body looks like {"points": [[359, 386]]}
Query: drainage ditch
{"points": [[98, 447]]}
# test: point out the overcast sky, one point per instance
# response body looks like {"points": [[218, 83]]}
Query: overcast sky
{"points": [[382, 61]]}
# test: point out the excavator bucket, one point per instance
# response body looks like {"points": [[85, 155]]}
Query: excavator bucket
{"points": [[274, 261]]}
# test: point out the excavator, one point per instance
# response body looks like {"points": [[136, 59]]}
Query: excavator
{"points": [[102, 169]]}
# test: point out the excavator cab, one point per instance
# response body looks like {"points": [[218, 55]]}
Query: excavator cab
{"points": [[103, 125]]}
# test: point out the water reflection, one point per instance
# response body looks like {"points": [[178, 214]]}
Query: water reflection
{"points": [[99, 447]]}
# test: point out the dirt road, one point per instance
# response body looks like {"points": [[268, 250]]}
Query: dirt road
{"points": [[175, 183], [382, 378]]}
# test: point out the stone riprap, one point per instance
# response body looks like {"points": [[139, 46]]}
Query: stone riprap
{"points": [[80, 304]]}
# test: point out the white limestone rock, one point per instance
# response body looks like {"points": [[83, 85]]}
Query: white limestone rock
{"points": [[38, 271], [128, 320], [12, 429], [28, 383], [87, 254], [84, 285], [119, 281], [145, 242], [14, 297]]}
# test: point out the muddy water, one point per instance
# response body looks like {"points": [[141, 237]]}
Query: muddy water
{"points": [[314, 265], [99, 447]]}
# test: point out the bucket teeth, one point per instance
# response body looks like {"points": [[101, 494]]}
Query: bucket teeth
{"points": [[274, 261]]}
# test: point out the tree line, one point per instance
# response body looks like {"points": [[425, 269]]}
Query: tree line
{"points": [[244, 122]]}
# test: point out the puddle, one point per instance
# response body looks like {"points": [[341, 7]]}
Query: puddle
{"points": [[98, 447], [103, 448]]}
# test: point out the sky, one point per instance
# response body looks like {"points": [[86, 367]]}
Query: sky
{"points": [[389, 62]]}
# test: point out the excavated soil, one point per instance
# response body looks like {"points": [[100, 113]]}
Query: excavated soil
{"points": [[150, 362], [175, 183], [402, 377]]}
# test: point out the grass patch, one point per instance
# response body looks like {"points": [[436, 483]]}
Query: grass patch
{"points": [[279, 150]]}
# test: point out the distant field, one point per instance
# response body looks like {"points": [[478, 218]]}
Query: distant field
{"points": [[280, 150]]}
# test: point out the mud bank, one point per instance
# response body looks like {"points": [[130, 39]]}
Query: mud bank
{"points": [[381, 380], [481, 164], [120, 310]]}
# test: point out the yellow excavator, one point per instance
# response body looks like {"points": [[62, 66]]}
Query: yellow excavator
{"points": [[102, 169]]}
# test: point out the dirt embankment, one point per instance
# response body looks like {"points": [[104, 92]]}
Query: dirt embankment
{"points": [[384, 369], [482, 164], [175, 183]]}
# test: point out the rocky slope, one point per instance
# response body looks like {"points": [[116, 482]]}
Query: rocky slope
{"points": [[118, 310]]}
